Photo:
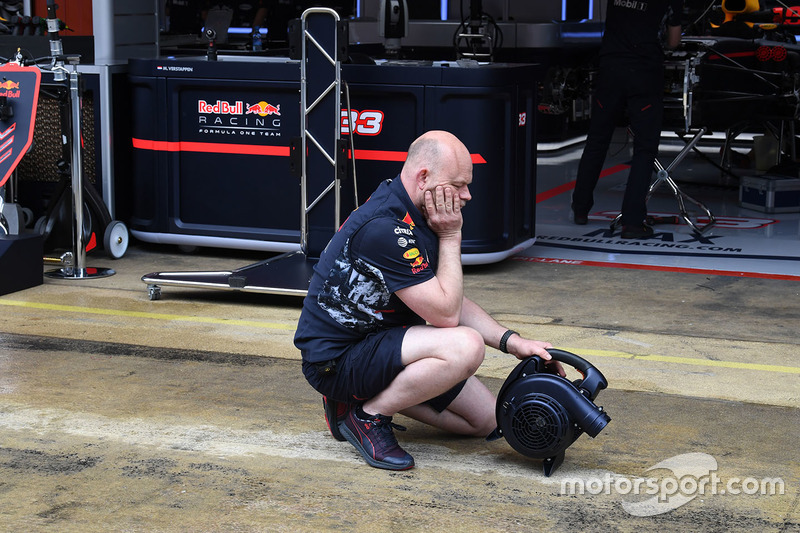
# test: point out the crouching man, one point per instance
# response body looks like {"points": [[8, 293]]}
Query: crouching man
{"points": [[386, 328]]}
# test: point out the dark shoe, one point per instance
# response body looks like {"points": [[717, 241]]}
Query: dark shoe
{"points": [[334, 413], [375, 441], [580, 214], [637, 232]]}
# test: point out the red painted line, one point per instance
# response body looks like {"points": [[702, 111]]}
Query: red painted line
{"points": [[381, 155], [657, 268], [546, 195], [391, 155], [218, 148], [249, 149], [733, 54]]}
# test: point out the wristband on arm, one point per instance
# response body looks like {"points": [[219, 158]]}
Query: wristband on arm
{"points": [[504, 340]]}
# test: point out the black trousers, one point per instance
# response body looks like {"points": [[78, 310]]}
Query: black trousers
{"points": [[639, 91]]}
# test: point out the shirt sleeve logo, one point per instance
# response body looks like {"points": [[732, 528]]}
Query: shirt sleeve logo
{"points": [[411, 254], [408, 220], [418, 265]]}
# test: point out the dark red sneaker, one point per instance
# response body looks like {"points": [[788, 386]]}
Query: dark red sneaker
{"points": [[375, 441], [334, 413]]}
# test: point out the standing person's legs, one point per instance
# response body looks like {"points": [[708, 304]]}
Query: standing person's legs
{"points": [[606, 105], [645, 109]]}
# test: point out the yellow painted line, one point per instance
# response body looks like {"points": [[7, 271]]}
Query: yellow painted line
{"points": [[142, 314], [692, 361], [291, 327]]}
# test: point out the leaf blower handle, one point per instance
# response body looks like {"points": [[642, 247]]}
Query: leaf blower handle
{"points": [[578, 363], [593, 380]]}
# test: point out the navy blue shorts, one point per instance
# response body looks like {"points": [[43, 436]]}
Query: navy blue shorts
{"points": [[366, 369]]}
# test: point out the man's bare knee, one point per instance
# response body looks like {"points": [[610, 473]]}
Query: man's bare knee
{"points": [[467, 350], [485, 426]]}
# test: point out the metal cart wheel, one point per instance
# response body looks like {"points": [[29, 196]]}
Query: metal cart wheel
{"points": [[115, 239], [154, 292]]}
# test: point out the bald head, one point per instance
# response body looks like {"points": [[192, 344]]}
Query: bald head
{"points": [[435, 158], [435, 150]]}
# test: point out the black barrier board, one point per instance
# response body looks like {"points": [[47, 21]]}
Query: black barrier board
{"points": [[19, 94], [20, 262], [200, 173]]}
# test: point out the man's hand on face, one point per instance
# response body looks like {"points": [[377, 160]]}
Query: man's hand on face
{"points": [[443, 212]]}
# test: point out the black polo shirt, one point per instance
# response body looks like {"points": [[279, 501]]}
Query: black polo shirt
{"points": [[384, 246], [633, 29]]}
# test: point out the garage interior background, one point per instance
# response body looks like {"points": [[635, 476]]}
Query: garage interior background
{"points": [[560, 36]]}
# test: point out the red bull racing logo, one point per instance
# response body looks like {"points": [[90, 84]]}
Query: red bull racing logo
{"points": [[263, 109], [220, 108], [241, 118], [7, 88]]}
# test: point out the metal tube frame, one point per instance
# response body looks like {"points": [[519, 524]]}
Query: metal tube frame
{"points": [[76, 168], [305, 135], [288, 274], [77, 270], [663, 176]]}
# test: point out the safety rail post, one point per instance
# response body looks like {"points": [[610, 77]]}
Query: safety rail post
{"points": [[320, 128], [78, 269]]}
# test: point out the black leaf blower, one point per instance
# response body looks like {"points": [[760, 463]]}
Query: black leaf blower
{"points": [[541, 413]]}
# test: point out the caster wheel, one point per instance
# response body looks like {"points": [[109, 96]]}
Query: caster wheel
{"points": [[27, 216], [188, 248], [154, 292], [115, 239], [40, 224]]}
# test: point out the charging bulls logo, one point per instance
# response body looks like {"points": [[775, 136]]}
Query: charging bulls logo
{"points": [[7, 88], [418, 265], [263, 109], [20, 86]]}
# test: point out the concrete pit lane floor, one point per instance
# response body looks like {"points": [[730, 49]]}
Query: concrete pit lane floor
{"points": [[189, 413]]}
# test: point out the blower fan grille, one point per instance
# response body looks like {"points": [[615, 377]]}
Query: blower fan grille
{"points": [[540, 423]]}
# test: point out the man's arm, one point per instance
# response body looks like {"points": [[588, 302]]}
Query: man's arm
{"points": [[438, 301], [474, 316]]}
